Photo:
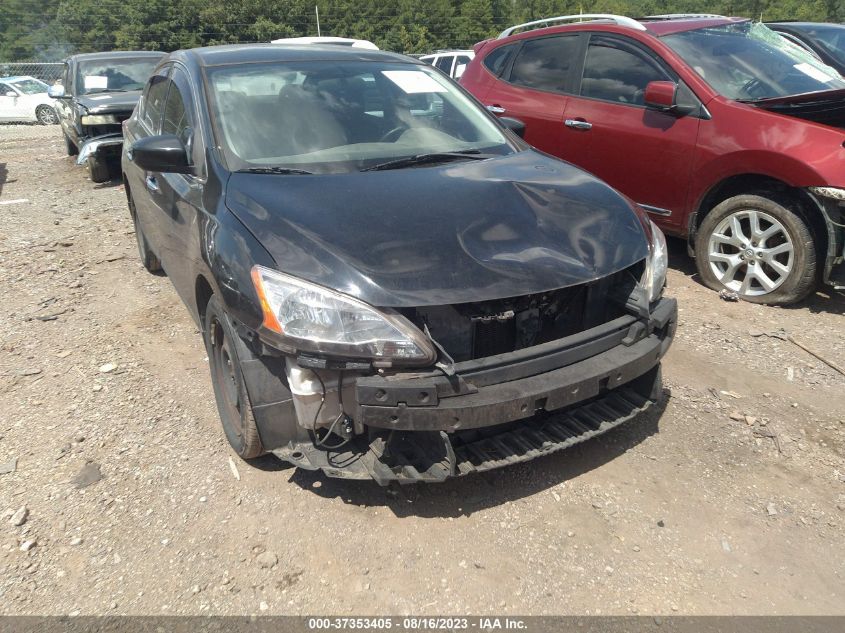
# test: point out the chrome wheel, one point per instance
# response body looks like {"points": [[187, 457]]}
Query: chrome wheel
{"points": [[751, 252]]}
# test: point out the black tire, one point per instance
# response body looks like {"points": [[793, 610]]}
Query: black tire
{"points": [[774, 278], [145, 254], [46, 115], [233, 403], [98, 169], [72, 150]]}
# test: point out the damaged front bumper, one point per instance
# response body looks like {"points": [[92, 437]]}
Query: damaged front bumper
{"points": [[106, 145], [495, 411]]}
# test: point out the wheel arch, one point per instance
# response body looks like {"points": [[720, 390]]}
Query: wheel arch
{"points": [[203, 291], [766, 186]]}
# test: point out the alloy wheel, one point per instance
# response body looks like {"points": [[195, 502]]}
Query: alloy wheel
{"points": [[47, 116], [751, 252]]}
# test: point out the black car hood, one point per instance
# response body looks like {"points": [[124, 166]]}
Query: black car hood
{"points": [[456, 233], [109, 102]]}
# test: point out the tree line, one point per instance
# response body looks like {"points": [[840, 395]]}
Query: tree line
{"points": [[47, 30]]}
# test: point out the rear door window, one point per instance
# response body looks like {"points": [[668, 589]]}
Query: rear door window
{"points": [[444, 63], [547, 63], [618, 71]]}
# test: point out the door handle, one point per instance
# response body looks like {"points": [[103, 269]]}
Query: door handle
{"points": [[496, 109], [578, 124], [152, 183]]}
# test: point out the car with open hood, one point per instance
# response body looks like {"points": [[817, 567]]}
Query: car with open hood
{"points": [[97, 93], [724, 132], [390, 284]]}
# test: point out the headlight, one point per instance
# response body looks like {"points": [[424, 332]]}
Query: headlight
{"points": [[654, 277], [99, 119], [311, 318]]}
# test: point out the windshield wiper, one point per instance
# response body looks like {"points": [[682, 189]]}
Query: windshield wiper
{"points": [[286, 171], [94, 92], [427, 159]]}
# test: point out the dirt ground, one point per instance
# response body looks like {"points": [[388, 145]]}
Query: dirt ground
{"points": [[729, 498]]}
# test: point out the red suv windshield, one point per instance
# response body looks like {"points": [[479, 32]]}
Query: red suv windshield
{"points": [[749, 62]]}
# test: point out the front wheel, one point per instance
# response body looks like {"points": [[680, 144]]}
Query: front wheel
{"points": [[233, 403], [46, 115], [98, 169], [760, 248], [72, 150]]}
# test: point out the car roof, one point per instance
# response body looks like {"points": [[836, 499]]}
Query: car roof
{"points": [[18, 78], [252, 53], [116, 55], [655, 25], [449, 52], [679, 25]]}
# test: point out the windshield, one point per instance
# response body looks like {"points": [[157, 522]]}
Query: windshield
{"points": [[749, 62], [30, 86], [104, 75], [334, 117]]}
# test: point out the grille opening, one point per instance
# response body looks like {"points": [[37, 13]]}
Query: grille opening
{"points": [[468, 331]]}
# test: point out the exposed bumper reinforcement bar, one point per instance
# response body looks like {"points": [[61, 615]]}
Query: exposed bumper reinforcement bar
{"points": [[97, 144]]}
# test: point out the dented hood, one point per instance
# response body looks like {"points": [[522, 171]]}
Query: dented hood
{"points": [[110, 102], [461, 232]]}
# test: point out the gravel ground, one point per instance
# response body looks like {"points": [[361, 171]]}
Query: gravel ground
{"points": [[119, 494]]}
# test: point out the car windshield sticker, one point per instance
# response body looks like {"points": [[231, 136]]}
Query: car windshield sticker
{"points": [[96, 82], [813, 72], [99, 97], [413, 81]]}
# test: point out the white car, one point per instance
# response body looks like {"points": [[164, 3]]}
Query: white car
{"points": [[337, 41], [453, 63], [25, 99]]}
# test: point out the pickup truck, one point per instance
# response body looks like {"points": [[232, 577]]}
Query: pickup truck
{"points": [[98, 91]]}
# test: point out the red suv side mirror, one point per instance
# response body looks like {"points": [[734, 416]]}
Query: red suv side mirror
{"points": [[661, 95]]}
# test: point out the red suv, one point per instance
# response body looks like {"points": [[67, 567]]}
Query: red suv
{"points": [[725, 132]]}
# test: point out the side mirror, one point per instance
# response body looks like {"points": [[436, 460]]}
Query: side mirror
{"points": [[514, 125], [56, 92], [11, 93], [661, 95], [165, 153]]}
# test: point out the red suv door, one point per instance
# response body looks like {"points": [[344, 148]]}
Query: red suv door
{"points": [[541, 76], [644, 153]]}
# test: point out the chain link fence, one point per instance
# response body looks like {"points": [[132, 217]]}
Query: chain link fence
{"points": [[47, 72]]}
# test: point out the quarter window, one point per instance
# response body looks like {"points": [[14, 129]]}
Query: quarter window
{"points": [[618, 71], [546, 63], [498, 59]]}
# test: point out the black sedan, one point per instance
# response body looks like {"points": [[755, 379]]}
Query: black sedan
{"points": [[390, 284], [824, 41]]}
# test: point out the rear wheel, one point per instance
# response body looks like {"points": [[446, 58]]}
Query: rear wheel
{"points": [[148, 258], [98, 169], [46, 115], [233, 403], [760, 248]]}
